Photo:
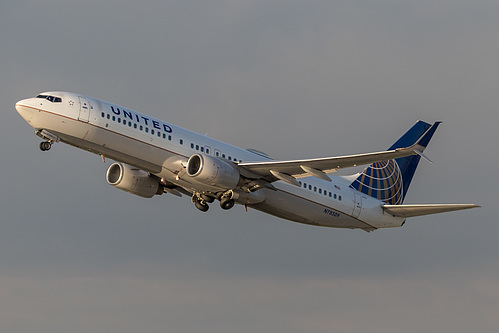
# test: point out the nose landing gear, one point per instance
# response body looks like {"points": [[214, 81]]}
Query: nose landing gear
{"points": [[46, 145], [48, 137]]}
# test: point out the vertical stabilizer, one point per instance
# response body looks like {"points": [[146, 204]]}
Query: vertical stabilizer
{"points": [[389, 181]]}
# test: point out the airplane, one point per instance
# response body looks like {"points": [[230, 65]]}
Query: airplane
{"points": [[155, 157]]}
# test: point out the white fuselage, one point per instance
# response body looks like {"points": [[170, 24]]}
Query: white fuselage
{"points": [[163, 149]]}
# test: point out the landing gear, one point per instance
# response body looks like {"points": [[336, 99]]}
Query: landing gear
{"points": [[202, 206], [207, 198], [227, 203], [46, 145], [200, 203], [48, 137], [201, 200]]}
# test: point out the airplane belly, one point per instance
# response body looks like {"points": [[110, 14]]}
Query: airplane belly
{"points": [[295, 208]]}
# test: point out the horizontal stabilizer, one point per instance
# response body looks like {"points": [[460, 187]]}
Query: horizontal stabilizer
{"points": [[426, 209]]}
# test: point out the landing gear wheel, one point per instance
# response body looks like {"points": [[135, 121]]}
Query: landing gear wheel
{"points": [[207, 198], [44, 146], [201, 206], [227, 203]]}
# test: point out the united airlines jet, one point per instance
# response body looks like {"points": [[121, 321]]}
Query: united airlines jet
{"points": [[155, 157]]}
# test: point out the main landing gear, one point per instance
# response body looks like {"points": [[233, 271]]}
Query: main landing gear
{"points": [[201, 200]]}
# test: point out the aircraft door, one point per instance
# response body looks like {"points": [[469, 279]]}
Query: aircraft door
{"points": [[84, 109], [357, 205]]}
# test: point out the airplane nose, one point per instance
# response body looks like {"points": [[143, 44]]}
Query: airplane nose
{"points": [[25, 109]]}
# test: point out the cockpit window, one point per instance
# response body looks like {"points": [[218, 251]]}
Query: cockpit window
{"points": [[52, 99]]}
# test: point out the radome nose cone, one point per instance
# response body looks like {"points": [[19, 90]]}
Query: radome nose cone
{"points": [[24, 109]]}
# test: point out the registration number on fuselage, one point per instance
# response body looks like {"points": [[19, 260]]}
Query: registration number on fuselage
{"points": [[331, 212]]}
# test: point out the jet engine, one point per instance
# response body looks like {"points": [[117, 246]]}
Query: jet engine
{"points": [[212, 171], [133, 180]]}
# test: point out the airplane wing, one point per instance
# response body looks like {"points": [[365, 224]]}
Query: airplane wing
{"points": [[318, 167], [288, 171], [426, 209]]}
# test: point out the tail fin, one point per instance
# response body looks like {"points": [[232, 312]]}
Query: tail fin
{"points": [[389, 181]]}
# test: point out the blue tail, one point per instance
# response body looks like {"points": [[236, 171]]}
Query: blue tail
{"points": [[389, 181]]}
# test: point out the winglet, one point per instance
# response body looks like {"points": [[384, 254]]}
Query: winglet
{"points": [[425, 139], [422, 143]]}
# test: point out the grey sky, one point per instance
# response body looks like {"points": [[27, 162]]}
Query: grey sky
{"points": [[294, 79]]}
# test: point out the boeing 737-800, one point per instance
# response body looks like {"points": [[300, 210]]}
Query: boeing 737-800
{"points": [[153, 157]]}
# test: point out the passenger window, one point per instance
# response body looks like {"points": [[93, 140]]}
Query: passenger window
{"points": [[310, 187], [192, 145], [197, 147], [114, 118], [170, 137], [164, 136], [141, 127], [108, 116], [339, 197], [147, 129], [152, 131], [202, 149], [134, 125], [305, 185], [223, 155], [119, 120], [159, 134], [315, 189], [181, 141], [102, 115], [330, 194], [207, 151], [320, 191]]}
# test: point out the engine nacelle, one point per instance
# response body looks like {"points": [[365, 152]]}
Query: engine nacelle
{"points": [[133, 180], [212, 171]]}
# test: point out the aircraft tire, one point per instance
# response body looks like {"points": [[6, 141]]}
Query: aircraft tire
{"points": [[44, 146], [201, 207], [227, 203], [207, 198]]}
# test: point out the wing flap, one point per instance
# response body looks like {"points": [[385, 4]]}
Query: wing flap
{"points": [[424, 209]]}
